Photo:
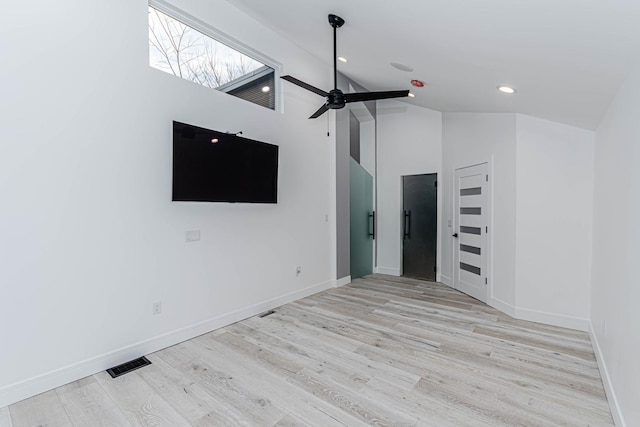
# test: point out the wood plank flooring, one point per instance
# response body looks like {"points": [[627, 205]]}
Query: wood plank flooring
{"points": [[381, 351]]}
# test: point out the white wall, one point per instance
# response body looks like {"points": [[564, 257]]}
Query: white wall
{"points": [[541, 175], [89, 235], [409, 142], [615, 291], [554, 218], [470, 139]]}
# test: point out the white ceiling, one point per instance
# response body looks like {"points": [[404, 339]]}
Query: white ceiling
{"points": [[566, 58]]}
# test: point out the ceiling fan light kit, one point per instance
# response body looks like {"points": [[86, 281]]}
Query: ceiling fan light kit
{"points": [[335, 98]]}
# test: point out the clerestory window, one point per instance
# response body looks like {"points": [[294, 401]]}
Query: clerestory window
{"points": [[177, 48]]}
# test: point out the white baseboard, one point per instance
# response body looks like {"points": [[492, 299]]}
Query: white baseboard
{"points": [[5, 418], [554, 319], [502, 306], [446, 280], [344, 281], [30, 387], [389, 271], [618, 419]]}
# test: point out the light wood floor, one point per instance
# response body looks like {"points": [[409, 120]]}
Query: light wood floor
{"points": [[380, 351]]}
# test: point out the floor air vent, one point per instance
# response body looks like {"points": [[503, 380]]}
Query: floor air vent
{"points": [[127, 367], [266, 313]]}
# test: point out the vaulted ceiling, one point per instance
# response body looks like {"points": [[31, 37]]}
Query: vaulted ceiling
{"points": [[565, 58]]}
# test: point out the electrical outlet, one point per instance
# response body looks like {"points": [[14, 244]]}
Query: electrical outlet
{"points": [[192, 235], [326, 218], [156, 308], [298, 270]]}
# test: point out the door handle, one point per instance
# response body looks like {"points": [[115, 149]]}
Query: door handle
{"points": [[455, 235], [372, 233], [407, 225]]}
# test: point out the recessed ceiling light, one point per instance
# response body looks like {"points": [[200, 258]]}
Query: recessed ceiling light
{"points": [[401, 67], [411, 95], [342, 59], [506, 89], [214, 140], [266, 89]]}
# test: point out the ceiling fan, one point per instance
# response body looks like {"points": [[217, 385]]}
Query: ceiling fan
{"points": [[335, 98]]}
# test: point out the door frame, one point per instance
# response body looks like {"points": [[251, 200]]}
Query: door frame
{"points": [[490, 222], [400, 228]]}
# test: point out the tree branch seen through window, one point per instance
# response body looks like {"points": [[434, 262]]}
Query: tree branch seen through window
{"points": [[182, 51]]}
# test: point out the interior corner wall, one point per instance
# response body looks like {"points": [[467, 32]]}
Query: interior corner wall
{"points": [[470, 139], [90, 237], [554, 205], [615, 288], [409, 143], [343, 194]]}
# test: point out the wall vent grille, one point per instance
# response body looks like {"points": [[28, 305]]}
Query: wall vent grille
{"points": [[266, 313], [127, 367]]}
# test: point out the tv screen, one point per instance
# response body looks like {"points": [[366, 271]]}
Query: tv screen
{"points": [[211, 166]]}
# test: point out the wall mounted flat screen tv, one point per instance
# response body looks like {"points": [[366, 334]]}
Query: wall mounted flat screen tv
{"points": [[211, 166]]}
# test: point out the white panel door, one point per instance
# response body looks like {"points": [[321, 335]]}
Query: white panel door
{"points": [[471, 227]]}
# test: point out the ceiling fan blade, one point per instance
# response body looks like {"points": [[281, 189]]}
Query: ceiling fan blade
{"points": [[370, 96], [304, 85], [320, 112]]}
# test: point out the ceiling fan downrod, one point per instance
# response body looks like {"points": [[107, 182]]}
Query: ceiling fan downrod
{"points": [[336, 22]]}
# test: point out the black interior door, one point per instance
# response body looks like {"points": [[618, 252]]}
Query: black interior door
{"points": [[420, 226]]}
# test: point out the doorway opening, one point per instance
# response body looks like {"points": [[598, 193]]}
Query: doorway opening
{"points": [[471, 228], [420, 226]]}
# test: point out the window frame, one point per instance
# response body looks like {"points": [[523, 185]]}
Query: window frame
{"points": [[221, 37]]}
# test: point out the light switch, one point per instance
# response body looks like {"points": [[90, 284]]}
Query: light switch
{"points": [[192, 235]]}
